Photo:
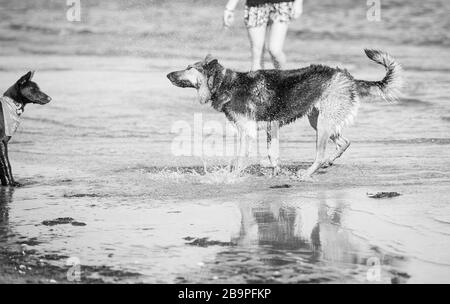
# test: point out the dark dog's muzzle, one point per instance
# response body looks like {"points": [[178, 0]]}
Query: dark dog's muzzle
{"points": [[44, 100]]}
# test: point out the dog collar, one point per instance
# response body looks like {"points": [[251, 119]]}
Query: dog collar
{"points": [[11, 114]]}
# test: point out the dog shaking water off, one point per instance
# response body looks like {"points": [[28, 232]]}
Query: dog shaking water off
{"points": [[328, 96]]}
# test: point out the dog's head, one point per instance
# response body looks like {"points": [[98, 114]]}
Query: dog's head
{"points": [[26, 91], [205, 76]]}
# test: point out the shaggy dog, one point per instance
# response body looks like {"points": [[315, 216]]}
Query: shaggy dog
{"points": [[329, 97]]}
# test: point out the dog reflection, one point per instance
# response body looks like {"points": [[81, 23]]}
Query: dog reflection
{"points": [[313, 228], [6, 195]]}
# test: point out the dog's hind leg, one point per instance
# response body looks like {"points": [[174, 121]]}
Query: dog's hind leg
{"points": [[273, 145], [342, 144], [322, 136]]}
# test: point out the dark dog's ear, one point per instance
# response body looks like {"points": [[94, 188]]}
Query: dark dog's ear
{"points": [[27, 77]]}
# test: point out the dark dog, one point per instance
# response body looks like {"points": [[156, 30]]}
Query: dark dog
{"points": [[13, 103], [328, 96]]}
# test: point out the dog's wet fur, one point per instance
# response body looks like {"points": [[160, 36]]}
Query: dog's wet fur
{"points": [[329, 97], [24, 91]]}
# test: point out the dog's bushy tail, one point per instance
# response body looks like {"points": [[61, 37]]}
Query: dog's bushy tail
{"points": [[389, 87]]}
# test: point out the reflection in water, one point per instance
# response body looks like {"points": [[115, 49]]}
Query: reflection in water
{"points": [[294, 242], [261, 238], [295, 226], [270, 224], [6, 194], [335, 241]]}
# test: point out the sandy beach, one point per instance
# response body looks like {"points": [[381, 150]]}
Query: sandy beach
{"points": [[104, 193]]}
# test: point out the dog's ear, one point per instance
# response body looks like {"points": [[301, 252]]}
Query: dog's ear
{"points": [[209, 59], [27, 77], [211, 63]]}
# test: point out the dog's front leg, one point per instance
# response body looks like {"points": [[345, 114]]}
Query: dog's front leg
{"points": [[6, 166], [273, 145], [3, 176], [243, 151], [3, 165]]}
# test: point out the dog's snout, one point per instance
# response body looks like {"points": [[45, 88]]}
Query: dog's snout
{"points": [[170, 76], [45, 100], [180, 79]]}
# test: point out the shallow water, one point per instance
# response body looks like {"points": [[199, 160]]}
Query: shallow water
{"points": [[100, 154], [283, 235]]}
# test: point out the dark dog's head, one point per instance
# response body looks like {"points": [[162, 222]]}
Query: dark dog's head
{"points": [[26, 91], [205, 76]]}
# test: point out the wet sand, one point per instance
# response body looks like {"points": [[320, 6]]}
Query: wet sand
{"points": [[102, 187]]}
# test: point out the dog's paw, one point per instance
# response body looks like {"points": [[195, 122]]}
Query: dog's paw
{"points": [[328, 163], [303, 176], [265, 163], [16, 184], [306, 178], [237, 167], [276, 171], [234, 165]]}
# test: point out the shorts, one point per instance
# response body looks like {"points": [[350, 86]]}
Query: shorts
{"points": [[256, 16]]}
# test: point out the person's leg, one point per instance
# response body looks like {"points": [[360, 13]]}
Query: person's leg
{"points": [[277, 36], [257, 35]]}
